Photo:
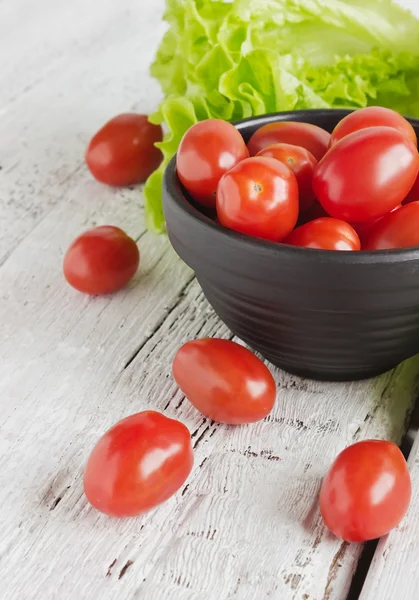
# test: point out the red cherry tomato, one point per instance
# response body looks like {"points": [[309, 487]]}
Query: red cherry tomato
{"points": [[302, 163], [366, 175], [325, 234], [312, 138], [224, 381], [413, 195], [364, 229], [259, 197], [208, 150], [372, 116], [122, 152], [101, 260], [399, 229], [139, 463], [366, 492]]}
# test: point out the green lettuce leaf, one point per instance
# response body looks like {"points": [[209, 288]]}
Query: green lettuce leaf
{"points": [[231, 60]]}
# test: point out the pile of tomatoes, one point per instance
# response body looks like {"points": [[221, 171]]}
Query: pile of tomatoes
{"points": [[294, 183], [147, 457]]}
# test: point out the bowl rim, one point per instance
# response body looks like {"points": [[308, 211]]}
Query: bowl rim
{"points": [[182, 205]]}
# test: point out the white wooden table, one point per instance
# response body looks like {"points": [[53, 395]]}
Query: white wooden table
{"points": [[246, 525]]}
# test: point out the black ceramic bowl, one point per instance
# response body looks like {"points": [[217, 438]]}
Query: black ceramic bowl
{"points": [[321, 314]]}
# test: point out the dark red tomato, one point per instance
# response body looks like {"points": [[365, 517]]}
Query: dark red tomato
{"points": [[101, 260], [399, 229], [366, 492], [302, 163], [259, 197], [372, 116], [123, 151], [312, 138], [364, 229], [316, 211], [208, 150], [325, 234], [366, 175], [224, 381], [413, 195], [139, 463]]}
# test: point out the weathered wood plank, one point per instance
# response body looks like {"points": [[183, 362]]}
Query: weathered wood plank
{"points": [[45, 130]]}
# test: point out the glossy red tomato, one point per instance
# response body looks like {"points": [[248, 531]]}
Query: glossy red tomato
{"points": [[366, 492], [208, 150], [364, 229], [224, 381], [122, 152], [372, 116], [366, 175], [325, 233], [101, 260], [413, 195], [399, 229], [259, 197], [312, 138], [139, 463], [302, 163]]}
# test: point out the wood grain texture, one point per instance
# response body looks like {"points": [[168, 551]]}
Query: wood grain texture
{"points": [[394, 572], [246, 524]]}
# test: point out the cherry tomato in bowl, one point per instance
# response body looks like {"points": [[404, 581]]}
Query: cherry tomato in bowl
{"points": [[366, 175], [399, 229], [208, 150], [372, 116], [224, 381], [311, 137], [325, 233], [138, 464], [302, 163], [259, 197], [366, 491], [101, 260], [122, 152]]}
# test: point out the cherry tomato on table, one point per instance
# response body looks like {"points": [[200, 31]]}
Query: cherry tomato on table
{"points": [[366, 492], [139, 463], [312, 138], [122, 152], [413, 195], [366, 175], [399, 229], [372, 116], [302, 163], [325, 234], [208, 150], [259, 197], [101, 260], [224, 381]]}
